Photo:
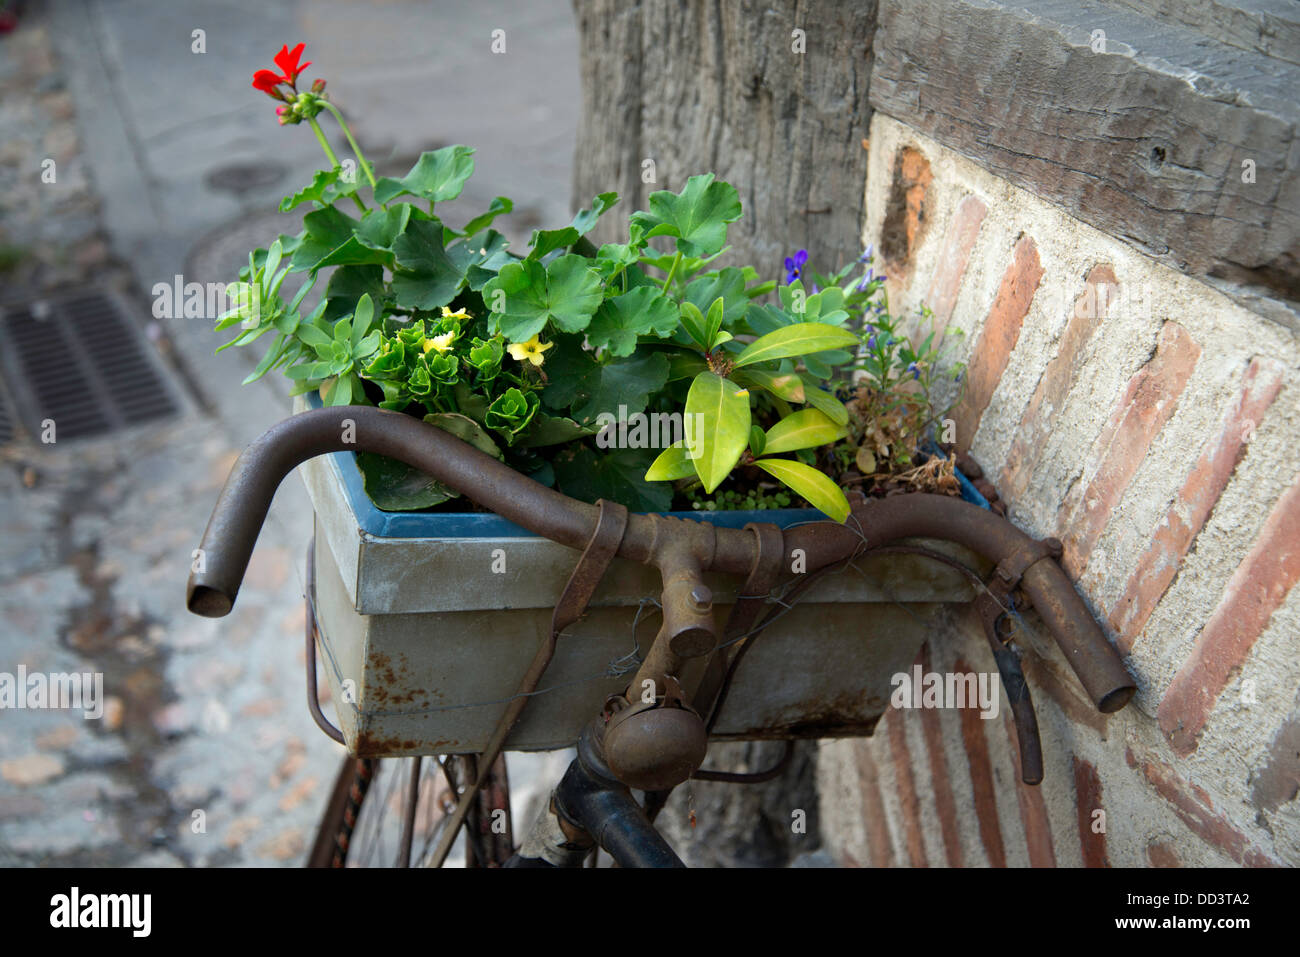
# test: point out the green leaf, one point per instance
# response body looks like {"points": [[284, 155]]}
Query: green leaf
{"points": [[695, 325], [757, 440], [796, 340], [353, 253], [553, 430], [545, 241], [685, 365], [620, 320], [467, 430], [589, 387], [721, 411], [826, 403], [805, 429], [437, 176], [325, 188], [362, 320], [396, 487], [428, 278], [614, 474], [324, 230], [585, 220], [380, 228], [813, 485], [272, 356], [499, 207], [783, 385], [713, 325], [485, 254], [726, 284], [566, 292], [672, 464], [697, 216], [346, 287]]}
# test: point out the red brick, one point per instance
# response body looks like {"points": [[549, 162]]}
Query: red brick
{"points": [[1146, 405], [1162, 855], [981, 776], [1195, 809], [1258, 586], [901, 756], [941, 783], [906, 219], [997, 339], [1054, 386], [1087, 799], [1209, 477], [963, 230], [1033, 812], [873, 807]]}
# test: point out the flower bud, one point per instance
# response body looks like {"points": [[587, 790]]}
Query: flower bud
{"points": [[318, 86]]}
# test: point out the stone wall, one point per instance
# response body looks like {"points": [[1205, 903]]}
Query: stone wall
{"points": [[1150, 423]]}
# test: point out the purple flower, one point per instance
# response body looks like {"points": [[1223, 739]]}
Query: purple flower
{"points": [[916, 373], [794, 265], [868, 254], [871, 342]]}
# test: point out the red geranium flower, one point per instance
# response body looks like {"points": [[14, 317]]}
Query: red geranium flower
{"points": [[267, 81], [287, 61]]}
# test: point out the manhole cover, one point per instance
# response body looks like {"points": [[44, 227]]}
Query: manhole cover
{"points": [[78, 362], [242, 177]]}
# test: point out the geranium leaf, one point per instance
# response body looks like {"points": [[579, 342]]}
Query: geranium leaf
{"points": [[589, 387], [380, 228], [614, 474], [567, 292], [437, 176], [499, 207], [726, 284], [325, 188], [620, 320], [697, 216], [427, 277], [586, 219]]}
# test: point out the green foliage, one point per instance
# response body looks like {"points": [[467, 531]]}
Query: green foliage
{"points": [[437, 177], [520, 354]]}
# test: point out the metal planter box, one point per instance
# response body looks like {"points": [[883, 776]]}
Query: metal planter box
{"points": [[428, 621]]}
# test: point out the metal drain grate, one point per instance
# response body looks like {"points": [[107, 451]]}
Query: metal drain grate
{"points": [[78, 361], [6, 423]]}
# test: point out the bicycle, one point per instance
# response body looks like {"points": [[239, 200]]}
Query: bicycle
{"points": [[649, 742]]}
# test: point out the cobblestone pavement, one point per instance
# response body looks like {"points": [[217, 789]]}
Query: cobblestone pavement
{"points": [[166, 163]]}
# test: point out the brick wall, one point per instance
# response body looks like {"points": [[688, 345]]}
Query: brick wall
{"points": [[1151, 424]]}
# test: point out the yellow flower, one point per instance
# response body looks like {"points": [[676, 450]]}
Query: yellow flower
{"points": [[441, 343], [458, 314], [530, 351]]}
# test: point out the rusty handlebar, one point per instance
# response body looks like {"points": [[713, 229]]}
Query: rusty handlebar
{"points": [[242, 506]]}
